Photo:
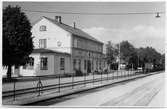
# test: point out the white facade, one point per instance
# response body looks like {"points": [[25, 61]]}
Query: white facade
{"points": [[53, 65], [62, 45], [57, 38]]}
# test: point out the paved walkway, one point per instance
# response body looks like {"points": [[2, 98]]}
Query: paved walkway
{"points": [[159, 99], [142, 92]]}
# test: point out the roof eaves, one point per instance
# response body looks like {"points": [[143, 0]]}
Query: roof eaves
{"points": [[89, 39], [43, 51]]}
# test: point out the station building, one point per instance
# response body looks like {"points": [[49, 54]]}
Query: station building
{"points": [[62, 49]]}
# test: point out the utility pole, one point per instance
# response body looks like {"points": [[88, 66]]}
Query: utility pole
{"points": [[119, 57]]}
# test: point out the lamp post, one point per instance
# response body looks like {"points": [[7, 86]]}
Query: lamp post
{"points": [[85, 76], [93, 77], [100, 68], [138, 63], [119, 59]]}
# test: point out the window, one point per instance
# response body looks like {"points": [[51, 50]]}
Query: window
{"points": [[79, 63], [44, 63], [42, 28], [75, 43], [100, 65], [42, 43], [96, 64], [74, 64], [85, 64], [92, 65], [31, 61], [30, 64], [62, 63], [79, 43]]}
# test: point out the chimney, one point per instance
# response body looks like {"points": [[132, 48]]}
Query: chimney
{"points": [[74, 25], [58, 19]]}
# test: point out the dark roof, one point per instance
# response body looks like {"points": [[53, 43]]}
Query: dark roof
{"points": [[42, 50], [73, 30]]}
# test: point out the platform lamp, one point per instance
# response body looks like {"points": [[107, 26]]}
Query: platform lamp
{"points": [[157, 16]]}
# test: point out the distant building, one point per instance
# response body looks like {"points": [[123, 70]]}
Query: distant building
{"points": [[62, 49]]}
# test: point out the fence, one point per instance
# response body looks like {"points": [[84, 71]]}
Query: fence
{"points": [[39, 84]]}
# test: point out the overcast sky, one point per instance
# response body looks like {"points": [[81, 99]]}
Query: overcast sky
{"points": [[141, 30]]}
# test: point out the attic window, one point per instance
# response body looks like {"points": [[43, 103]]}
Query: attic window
{"points": [[42, 28], [42, 43]]}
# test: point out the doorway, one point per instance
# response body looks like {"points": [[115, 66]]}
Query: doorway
{"points": [[88, 66]]}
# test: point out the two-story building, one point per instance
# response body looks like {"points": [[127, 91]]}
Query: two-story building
{"points": [[62, 49]]}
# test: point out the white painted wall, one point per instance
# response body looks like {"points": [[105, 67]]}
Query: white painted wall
{"points": [[36, 71], [57, 64], [50, 70], [53, 65], [53, 34]]}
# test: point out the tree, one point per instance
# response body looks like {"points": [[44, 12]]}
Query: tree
{"points": [[149, 55], [17, 40], [111, 53], [162, 62], [128, 54]]}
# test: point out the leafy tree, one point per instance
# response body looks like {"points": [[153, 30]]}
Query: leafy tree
{"points": [[128, 54], [17, 40], [149, 55], [162, 62], [135, 57], [111, 53]]}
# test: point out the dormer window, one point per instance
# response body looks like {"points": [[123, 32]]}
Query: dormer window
{"points": [[42, 28]]}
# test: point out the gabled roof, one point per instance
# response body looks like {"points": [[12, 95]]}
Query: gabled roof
{"points": [[73, 30], [43, 50]]}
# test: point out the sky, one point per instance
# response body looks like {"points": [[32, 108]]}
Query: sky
{"points": [[141, 30]]}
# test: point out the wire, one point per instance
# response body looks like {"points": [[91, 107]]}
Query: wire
{"points": [[85, 13]]}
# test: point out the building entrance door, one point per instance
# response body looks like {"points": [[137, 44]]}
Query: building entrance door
{"points": [[88, 66]]}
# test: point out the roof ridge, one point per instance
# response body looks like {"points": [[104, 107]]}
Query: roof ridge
{"points": [[60, 23], [76, 31]]}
